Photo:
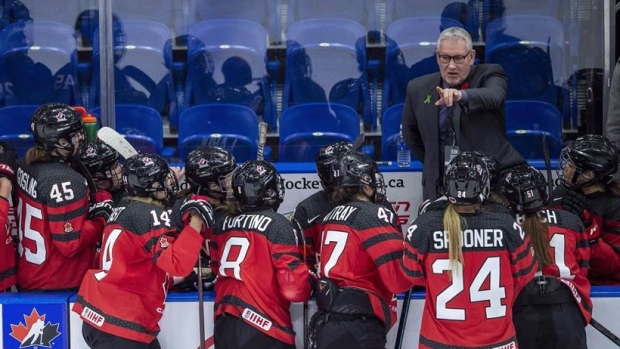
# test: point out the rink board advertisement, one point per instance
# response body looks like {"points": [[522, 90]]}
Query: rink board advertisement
{"points": [[403, 189]]}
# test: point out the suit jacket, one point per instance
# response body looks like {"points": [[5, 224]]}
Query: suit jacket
{"points": [[479, 125]]}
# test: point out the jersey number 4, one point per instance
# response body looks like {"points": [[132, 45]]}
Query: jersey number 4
{"points": [[494, 293]]}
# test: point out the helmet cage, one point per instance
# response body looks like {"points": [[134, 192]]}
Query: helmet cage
{"points": [[53, 123], [588, 153], [145, 175], [205, 166]]}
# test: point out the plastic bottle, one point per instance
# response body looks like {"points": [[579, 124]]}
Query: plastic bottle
{"points": [[403, 153], [90, 124]]}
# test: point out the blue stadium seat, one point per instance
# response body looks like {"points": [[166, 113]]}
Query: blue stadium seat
{"points": [[267, 13], [142, 126], [526, 124], [410, 52], [494, 9], [15, 127], [365, 12], [143, 67], [535, 45], [230, 126], [326, 61], [38, 63], [63, 11], [306, 128], [226, 63], [464, 11]]}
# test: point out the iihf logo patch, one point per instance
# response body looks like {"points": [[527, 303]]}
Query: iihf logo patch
{"points": [[35, 332]]}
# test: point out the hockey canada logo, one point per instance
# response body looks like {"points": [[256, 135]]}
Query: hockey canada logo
{"points": [[35, 332], [61, 117]]}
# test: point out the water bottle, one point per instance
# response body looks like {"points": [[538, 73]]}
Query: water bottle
{"points": [[90, 124], [403, 154]]}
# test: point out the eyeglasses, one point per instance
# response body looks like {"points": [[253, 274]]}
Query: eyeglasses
{"points": [[457, 59]]}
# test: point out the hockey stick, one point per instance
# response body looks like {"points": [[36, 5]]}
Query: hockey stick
{"points": [[547, 160], [404, 312], [201, 302], [359, 141], [117, 142], [605, 331], [201, 311], [81, 169], [262, 139]]}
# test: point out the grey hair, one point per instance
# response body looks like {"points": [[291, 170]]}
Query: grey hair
{"points": [[455, 34]]}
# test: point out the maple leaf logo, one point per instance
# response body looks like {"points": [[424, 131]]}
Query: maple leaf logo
{"points": [[35, 332]]}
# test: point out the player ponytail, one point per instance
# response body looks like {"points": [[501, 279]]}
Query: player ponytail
{"points": [[452, 224], [613, 187], [538, 231], [37, 155]]}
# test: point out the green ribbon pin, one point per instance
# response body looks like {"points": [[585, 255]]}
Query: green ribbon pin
{"points": [[427, 100]]}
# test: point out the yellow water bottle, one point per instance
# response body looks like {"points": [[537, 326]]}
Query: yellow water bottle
{"points": [[90, 124]]}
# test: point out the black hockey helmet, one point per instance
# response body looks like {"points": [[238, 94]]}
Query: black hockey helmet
{"points": [[466, 180], [102, 163], [147, 174], [492, 166], [58, 126], [257, 185], [593, 153], [525, 189], [326, 157], [355, 169], [204, 168]]}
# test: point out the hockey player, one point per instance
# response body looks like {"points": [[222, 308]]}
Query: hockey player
{"points": [[361, 251], [122, 303], [8, 254], [102, 164], [57, 227], [309, 213], [259, 267], [473, 263], [205, 169], [587, 190], [557, 302]]}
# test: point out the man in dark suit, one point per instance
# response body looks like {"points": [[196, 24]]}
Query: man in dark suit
{"points": [[457, 109]]}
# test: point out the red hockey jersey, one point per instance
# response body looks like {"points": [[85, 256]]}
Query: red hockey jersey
{"points": [[362, 247], [140, 249], [462, 308], [54, 233], [8, 255], [260, 271]]}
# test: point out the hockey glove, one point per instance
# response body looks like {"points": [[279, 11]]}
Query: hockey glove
{"points": [[196, 204], [8, 159], [577, 204], [101, 206], [571, 201]]}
